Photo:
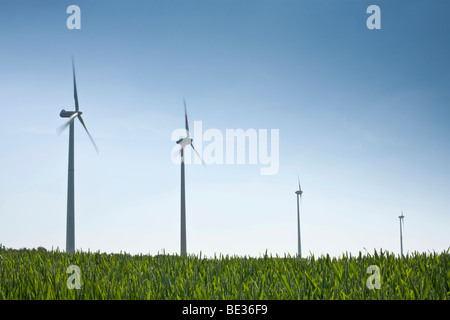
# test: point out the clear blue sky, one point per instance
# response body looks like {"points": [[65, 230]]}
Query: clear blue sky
{"points": [[363, 117]]}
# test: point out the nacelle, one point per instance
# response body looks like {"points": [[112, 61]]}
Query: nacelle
{"points": [[68, 114], [184, 141]]}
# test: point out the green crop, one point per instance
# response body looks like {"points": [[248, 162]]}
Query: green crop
{"points": [[41, 274]]}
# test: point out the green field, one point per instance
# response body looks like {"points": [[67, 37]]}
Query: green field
{"points": [[41, 274]]}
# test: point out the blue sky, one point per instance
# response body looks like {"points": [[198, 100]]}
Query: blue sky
{"points": [[362, 115]]}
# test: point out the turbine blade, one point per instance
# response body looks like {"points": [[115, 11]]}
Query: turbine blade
{"points": [[75, 94], [186, 118], [402, 221], [299, 187], [182, 154], [203, 163], [92, 140], [176, 152], [65, 125]]}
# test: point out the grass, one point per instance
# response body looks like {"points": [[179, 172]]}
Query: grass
{"points": [[40, 274]]}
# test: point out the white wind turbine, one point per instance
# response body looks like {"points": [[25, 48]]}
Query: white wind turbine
{"points": [[184, 142], [70, 227], [299, 198], [402, 226]]}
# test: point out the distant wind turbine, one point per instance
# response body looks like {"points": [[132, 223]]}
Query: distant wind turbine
{"points": [[70, 227], [299, 197], [402, 225], [184, 142]]}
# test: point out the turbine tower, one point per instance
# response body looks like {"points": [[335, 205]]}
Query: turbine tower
{"points": [[184, 142], [402, 223], [299, 197], [70, 227]]}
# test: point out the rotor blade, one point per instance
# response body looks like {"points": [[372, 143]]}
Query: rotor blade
{"points": [[203, 163], [186, 119], [92, 140], [299, 187], [65, 125], [75, 94], [402, 221], [176, 152]]}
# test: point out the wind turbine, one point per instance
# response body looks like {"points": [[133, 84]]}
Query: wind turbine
{"points": [[70, 227], [402, 225], [184, 142], [299, 197]]}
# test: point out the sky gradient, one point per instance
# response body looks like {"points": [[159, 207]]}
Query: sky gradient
{"points": [[363, 117]]}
